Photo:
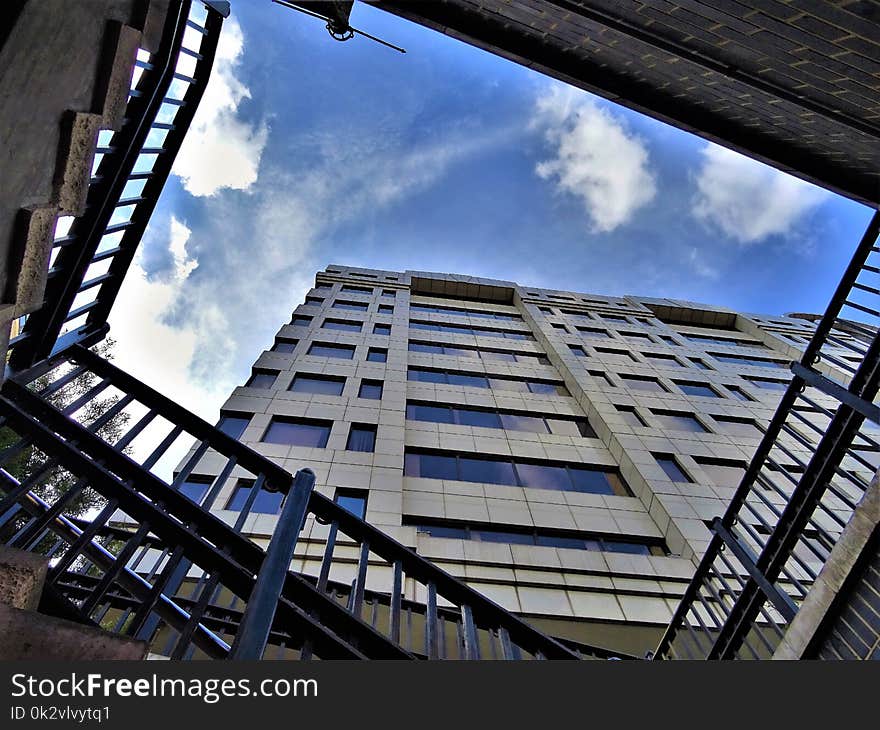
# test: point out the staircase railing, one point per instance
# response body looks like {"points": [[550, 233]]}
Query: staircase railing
{"points": [[801, 487], [149, 562], [89, 262]]}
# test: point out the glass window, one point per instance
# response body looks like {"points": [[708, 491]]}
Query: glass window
{"points": [[494, 356], [630, 416], [578, 350], [603, 376], [386, 309], [547, 388], [594, 481], [381, 329], [341, 325], [739, 393], [679, 422], [509, 385], [375, 354], [769, 384], [562, 427], [358, 289], [262, 379], [300, 321], [543, 476], [324, 349], [481, 419], [723, 474], [672, 469], [314, 301], [389, 293], [636, 383], [195, 488], [432, 414], [430, 466], [426, 376], [512, 538], [659, 360], [361, 437], [351, 306], [266, 502], [593, 332], [233, 425], [701, 364], [518, 422], [422, 347], [697, 389], [485, 470], [459, 352], [321, 384], [454, 533], [284, 346], [738, 426], [297, 433], [371, 389], [472, 381], [352, 500], [558, 326]]}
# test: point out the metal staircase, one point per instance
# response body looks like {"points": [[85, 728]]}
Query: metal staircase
{"points": [[789, 510]]}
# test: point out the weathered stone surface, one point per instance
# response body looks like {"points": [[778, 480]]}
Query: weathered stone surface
{"points": [[31, 635], [21, 578]]}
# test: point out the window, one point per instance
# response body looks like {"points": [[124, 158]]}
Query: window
{"points": [[352, 500], [262, 379], [342, 325], [578, 351], [329, 349], [496, 418], [494, 470], [473, 352], [558, 326], [458, 311], [381, 329], [739, 393], [460, 329], [614, 318], [660, 360], [753, 361], [542, 538], [676, 421], [351, 306], [195, 487], [696, 389], [613, 355], [723, 473], [389, 293], [314, 301], [545, 310], [671, 468], [361, 437], [386, 309], [768, 384], [233, 424], [635, 336], [603, 376], [321, 384], [297, 432], [631, 416], [701, 364], [323, 285], [264, 502], [637, 382], [738, 426], [546, 388], [283, 345], [593, 332], [300, 321], [377, 354], [370, 389], [669, 340], [357, 289]]}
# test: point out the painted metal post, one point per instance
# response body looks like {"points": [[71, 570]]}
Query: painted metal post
{"points": [[253, 633]]}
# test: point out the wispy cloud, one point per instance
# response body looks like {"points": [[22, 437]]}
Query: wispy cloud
{"points": [[596, 158], [221, 150], [747, 201]]}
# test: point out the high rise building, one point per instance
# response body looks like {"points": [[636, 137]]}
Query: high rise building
{"points": [[561, 452]]}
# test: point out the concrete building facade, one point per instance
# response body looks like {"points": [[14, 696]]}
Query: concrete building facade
{"points": [[561, 452]]}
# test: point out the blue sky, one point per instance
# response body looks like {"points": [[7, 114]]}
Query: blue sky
{"points": [[307, 151]]}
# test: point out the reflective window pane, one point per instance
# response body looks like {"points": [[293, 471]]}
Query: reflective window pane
{"points": [[542, 476], [295, 433], [430, 466], [484, 470]]}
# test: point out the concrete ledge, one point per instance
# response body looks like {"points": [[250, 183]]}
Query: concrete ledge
{"points": [[31, 635], [843, 558], [22, 575]]}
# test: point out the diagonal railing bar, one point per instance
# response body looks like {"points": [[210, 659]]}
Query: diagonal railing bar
{"points": [[185, 552], [806, 515]]}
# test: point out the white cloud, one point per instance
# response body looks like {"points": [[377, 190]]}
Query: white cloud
{"points": [[221, 150], [596, 158], [748, 201]]}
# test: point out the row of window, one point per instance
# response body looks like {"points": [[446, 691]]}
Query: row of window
{"points": [[315, 434], [512, 472], [482, 353], [349, 325], [356, 289], [681, 421], [351, 306], [497, 418], [460, 329], [494, 382], [666, 360], [316, 384], [463, 312], [541, 538], [721, 473]]}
